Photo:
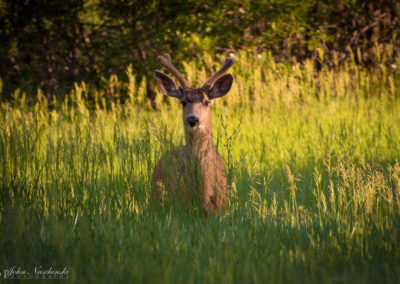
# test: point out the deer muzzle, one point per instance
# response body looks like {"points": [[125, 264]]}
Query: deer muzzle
{"points": [[192, 121]]}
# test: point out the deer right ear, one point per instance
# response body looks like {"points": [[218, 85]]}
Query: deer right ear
{"points": [[167, 86], [221, 87]]}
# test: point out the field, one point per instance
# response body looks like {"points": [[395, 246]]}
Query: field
{"points": [[313, 167]]}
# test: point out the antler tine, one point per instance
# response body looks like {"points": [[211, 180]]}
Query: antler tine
{"points": [[165, 61], [228, 63], [168, 57]]}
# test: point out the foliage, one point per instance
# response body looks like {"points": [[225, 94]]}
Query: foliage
{"points": [[314, 181], [53, 44]]}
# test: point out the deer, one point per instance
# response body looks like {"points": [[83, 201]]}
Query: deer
{"points": [[194, 171]]}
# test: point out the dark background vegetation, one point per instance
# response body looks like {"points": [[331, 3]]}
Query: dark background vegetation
{"points": [[52, 44]]}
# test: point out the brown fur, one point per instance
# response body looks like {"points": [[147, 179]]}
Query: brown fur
{"points": [[194, 171], [182, 176]]}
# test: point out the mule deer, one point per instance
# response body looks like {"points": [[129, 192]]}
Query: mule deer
{"points": [[194, 171]]}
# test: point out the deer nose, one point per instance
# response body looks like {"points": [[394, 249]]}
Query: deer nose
{"points": [[192, 121]]}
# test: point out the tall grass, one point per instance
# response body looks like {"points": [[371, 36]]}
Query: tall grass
{"points": [[313, 167]]}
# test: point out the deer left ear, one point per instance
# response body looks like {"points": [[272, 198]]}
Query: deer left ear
{"points": [[166, 85], [221, 87]]}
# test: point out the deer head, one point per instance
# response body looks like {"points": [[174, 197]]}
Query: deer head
{"points": [[195, 102]]}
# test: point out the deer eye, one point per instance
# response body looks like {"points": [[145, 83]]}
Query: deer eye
{"points": [[206, 103], [183, 103]]}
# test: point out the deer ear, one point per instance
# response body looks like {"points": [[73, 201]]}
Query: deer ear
{"points": [[166, 85], [221, 87]]}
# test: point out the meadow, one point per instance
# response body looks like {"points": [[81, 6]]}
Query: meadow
{"points": [[313, 167]]}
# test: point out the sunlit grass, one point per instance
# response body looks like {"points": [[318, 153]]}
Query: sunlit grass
{"points": [[312, 160]]}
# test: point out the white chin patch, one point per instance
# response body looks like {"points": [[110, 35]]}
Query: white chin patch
{"points": [[198, 129], [202, 128]]}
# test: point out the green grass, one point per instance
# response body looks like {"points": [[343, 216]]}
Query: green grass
{"points": [[314, 181]]}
